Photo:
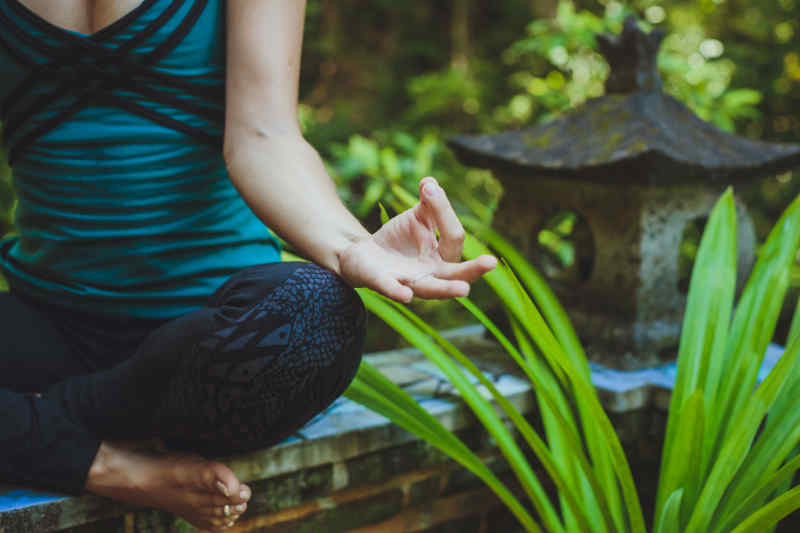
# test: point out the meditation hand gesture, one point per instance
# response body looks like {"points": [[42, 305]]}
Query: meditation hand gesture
{"points": [[404, 259]]}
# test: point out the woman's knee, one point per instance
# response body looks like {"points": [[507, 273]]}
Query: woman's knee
{"points": [[301, 307], [271, 363], [335, 314]]}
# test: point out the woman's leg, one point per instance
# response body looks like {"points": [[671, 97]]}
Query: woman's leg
{"points": [[278, 344], [41, 445], [38, 443]]}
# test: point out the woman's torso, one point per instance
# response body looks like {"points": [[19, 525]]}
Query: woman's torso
{"points": [[82, 16], [115, 136]]}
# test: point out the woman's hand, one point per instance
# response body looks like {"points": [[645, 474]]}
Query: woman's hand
{"points": [[403, 259]]}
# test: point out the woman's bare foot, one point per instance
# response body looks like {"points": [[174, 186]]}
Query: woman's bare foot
{"points": [[204, 493]]}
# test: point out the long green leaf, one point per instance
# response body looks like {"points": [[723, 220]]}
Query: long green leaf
{"points": [[687, 447], [702, 345], [772, 513], [736, 447], [551, 308], [774, 444], [374, 391], [556, 317], [547, 394], [559, 477], [586, 397], [505, 288], [754, 322], [555, 411], [759, 495], [669, 522], [794, 329], [482, 409]]}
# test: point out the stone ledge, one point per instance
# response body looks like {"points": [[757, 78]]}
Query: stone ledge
{"points": [[347, 431]]}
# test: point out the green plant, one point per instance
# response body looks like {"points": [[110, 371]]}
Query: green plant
{"points": [[367, 170], [719, 472], [558, 67]]}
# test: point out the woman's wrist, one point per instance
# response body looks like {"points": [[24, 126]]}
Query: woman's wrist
{"points": [[342, 251]]}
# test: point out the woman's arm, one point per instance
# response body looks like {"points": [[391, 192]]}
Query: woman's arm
{"points": [[283, 180], [278, 173]]}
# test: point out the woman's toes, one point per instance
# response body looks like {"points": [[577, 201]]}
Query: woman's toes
{"points": [[243, 495], [227, 511], [220, 478], [230, 511], [221, 524]]}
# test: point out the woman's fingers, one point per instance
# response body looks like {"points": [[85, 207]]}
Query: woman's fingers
{"points": [[467, 270], [433, 288], [451, 280], [392, 288], [436, 206]]}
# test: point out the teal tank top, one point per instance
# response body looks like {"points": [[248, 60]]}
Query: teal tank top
{"points": [[115, 143]]}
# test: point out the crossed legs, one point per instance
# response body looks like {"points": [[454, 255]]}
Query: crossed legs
{"points": [[276, 345]]}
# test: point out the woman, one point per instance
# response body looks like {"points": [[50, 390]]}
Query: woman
{"points": [[151, 141]]}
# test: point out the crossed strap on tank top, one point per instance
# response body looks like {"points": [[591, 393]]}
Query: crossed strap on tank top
{"points": [[91, 73]]}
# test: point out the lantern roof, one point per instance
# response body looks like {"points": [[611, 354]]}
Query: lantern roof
{"points": [[636, 133]]}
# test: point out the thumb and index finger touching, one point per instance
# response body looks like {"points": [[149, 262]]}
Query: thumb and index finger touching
{"points": [[436, 211]]}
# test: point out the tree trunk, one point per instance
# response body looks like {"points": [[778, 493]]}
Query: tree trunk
{"points": [[544, 8], [459, 35]]}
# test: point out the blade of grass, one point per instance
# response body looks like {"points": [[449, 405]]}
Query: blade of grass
{"points": [[563, 329], [384, 397], [547, 393], [551, 308], [688, 445], [554, 414], [482, 409], [741, 437], [586, 397], [759, 494], [772, 513], [794, 329], [774, 444], [754, 322], [703, 337], [559, 477], [670, 518]]}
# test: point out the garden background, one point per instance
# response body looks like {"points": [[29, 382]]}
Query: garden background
{"points": [[384, 83]]}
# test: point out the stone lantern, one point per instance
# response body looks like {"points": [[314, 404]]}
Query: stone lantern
{"points": [[636, 167]]}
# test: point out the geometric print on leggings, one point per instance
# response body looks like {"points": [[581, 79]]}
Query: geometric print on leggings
{"points": [[268, 370]]}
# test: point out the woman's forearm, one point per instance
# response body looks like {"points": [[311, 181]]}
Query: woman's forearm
{"points": [[285, 183]]}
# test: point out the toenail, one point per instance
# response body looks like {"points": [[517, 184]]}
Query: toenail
{"points": [[230, 524], [244, 493], [226, 510], [223, 488], [241, 507]]}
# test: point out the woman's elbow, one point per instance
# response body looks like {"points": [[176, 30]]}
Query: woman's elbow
{"points": [[255, 138]]}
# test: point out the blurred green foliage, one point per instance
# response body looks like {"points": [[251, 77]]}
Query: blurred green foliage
{"points": [[401, 77], [563, 50], [366, 169]]}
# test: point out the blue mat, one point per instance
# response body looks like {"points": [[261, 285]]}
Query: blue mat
{"points": [[18, 498]]}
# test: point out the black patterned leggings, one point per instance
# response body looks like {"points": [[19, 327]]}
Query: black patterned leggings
{"points": [[275, 346]]}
